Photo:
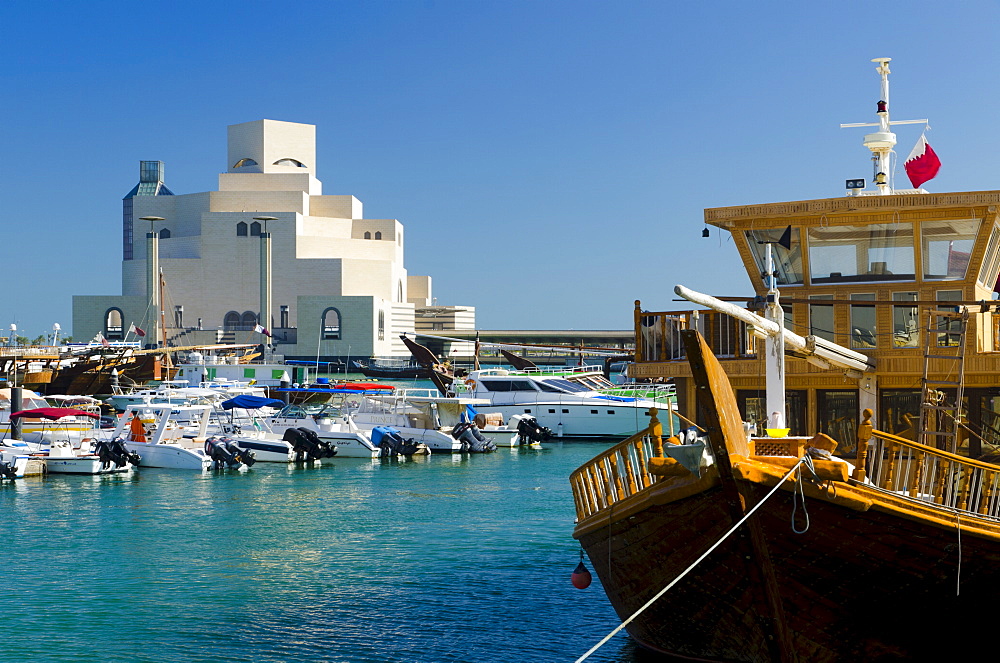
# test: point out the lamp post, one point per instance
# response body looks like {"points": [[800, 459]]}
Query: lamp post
{"points": [[264, 318], [55, 333]]}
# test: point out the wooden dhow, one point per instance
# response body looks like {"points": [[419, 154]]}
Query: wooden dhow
{"points": [[896, 555]]}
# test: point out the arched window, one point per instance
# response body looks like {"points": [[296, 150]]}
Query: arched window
{"points": [[241, 229], [249, 320], [165, 233], [243, 163], [289, 162], [113, 328], [255, 229], [331, 324], [231, 321], [378, 234], [368, 235], [381, 325]]}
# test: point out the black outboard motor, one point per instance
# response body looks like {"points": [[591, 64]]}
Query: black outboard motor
{"points": [[114, 452], [393, 444], [225, 453], [530, 432], [7, 471], [472, 440], [308, 446]]}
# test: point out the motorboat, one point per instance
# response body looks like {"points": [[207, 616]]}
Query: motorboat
{"points": [[330, 421], [572, 401], [60, 456], [153, 431], [73, 428], [177, 392], [253, 434]]}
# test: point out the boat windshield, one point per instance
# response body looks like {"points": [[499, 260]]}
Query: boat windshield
{"points": [[562, 386]]}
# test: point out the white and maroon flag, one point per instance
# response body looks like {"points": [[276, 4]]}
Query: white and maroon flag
{"points": [[104, 341], [922, 164], [135, 330], [262, 330]]}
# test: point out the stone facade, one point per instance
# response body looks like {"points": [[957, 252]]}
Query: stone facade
{"points": [[324, 256]]}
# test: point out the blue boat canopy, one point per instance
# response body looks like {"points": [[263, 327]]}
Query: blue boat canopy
{"points": [[248, 402]]}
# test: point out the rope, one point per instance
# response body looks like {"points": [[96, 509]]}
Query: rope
{"points": [[696, 563], [800, 491]]}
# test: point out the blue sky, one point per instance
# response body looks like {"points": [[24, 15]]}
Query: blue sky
{"points": [[549, 160]]}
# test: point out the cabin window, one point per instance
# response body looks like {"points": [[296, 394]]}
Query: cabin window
{"points": [[905, 321], [837, 411], [527, 411], [231, 321], [114, 329], [950, 336], [507, 385], [876, 252], [753, 408], [255, 229], [593, 411], [788, 263], [331, 324], [241, 229], [611, 411], [821, 317], [863, 332], [552, 411], [947, 246], [990, 270], [565, 411]]}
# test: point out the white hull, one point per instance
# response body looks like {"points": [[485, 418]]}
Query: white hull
{"points": [[350, 445], [169, 456], [581, 419], [82, 465]]}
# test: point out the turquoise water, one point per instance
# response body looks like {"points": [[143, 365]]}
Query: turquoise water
{"points": [[463, 558]]}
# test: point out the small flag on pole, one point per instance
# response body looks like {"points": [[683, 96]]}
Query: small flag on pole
{"points": [[922, 164], [104, 341], [135, 330], [261, 330]]}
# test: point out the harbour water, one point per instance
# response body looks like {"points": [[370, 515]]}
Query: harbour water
{"points": [[446, 558]]}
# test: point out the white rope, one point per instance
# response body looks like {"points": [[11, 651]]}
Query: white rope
{"points": [[691, 568]]}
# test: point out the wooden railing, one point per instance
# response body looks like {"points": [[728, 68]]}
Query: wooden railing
{"points": [[928, 474], [658, 334], [619, 472]]}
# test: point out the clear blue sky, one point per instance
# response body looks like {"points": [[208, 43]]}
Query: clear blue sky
{"points": [[549, 160]]}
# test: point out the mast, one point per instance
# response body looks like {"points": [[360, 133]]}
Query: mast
{"points": [[883, 139]]}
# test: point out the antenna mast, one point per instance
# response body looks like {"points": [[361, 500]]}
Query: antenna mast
{"points": [[883, 139]]}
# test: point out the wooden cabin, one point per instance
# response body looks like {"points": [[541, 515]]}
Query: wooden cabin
{"points": [[907, 279]]}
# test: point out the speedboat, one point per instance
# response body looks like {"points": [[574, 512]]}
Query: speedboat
{"points": [[572, 401], [154, 432], [73, 428], [60, 456], [253, 434]]}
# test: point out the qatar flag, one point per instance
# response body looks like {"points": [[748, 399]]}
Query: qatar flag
{"points": [[922, 164]]}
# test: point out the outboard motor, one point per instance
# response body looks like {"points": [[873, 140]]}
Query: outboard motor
{"points": [[225, 453], [114, 452], [472, 440], [245, 456], [307, 445], [7, 470], [391, 443], [529, 431]]}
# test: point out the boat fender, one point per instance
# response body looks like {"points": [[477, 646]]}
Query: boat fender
{"points": [[581, 577]]}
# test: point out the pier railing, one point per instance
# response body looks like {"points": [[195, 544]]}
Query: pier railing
{"points": [[928, 474], [619, 473]]}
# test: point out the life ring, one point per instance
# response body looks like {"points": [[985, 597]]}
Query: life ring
{"points": [[471, 384]]}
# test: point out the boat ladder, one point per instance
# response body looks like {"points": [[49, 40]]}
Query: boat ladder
{"points": [[944, 351]]}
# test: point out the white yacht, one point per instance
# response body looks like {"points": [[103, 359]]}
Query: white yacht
{"points": [[571, 401]]}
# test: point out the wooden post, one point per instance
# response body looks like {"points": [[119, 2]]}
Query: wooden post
{"points": [[637, 316], [864, 434], [655, 432]]}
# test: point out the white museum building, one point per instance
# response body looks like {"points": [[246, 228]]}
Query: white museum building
{"points": [[269, 249]]}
